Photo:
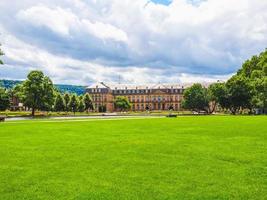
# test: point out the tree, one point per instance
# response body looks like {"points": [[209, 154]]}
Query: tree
{"points": [[80, 97], [216, 95], [264, 69], [38, 91], [122, 103], [1, 54], [102, 108], [48, 94], [196, 98], [4, 100], [67, 101], [259, 98], [247, 88], [88, 102], [221, 94], [74, 103], [239, 93], [59, 103], [81, 106]]}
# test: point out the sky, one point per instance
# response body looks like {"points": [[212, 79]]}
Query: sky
{"points": [[140, 41]]}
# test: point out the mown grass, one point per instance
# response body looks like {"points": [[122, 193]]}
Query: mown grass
{"points": [[185, 158]]}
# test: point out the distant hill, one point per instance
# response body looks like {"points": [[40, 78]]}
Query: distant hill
{"points": [[61, 87]]}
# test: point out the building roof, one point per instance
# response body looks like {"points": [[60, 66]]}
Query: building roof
{"points": [[114, 86]]}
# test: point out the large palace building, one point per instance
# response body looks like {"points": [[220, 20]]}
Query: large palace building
{"points": [[141, 97]]}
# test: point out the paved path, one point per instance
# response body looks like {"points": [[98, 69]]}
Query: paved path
{"points": [[78, 118]]}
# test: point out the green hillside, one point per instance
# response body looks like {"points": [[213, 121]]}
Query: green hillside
{"points": [[61, 87]]}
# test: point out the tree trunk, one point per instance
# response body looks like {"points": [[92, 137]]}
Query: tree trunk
{"points": [[33, 112], [213, 107], [233, 111]]}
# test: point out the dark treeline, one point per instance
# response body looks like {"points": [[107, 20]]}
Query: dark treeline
{"points": [[246, 91]]}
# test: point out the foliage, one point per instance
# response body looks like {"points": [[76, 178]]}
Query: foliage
{"points": [[38, 91], [88, 102], [81, 106], [254, 71], [59, 103], [4, 99], [245, 90], [17, 92], [67, 101], [122, 103], [74, 103], [196, 98], [102, 109], [217, 92], [238, 93], [48, 94]]}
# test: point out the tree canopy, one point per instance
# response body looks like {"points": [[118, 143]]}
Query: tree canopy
{"points": [[245, 90], [254, 71], [4, 99], [122, 103], [196, 98], [74, 103], [59, 103], [38, 91], [88, 102]]}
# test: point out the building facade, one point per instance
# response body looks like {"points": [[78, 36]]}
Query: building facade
{"points": [[142, 97]]}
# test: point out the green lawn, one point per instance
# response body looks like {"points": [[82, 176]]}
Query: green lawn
{"points": [[212, 157]]}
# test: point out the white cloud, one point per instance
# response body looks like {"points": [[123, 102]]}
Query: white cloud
{"points": [[139, 40], [63, 21], [58, 19], [104, 31]]}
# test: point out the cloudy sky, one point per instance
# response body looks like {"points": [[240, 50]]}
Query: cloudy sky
{"points": [[83, 41]]}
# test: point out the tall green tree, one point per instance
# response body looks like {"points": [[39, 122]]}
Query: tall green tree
{"points": [[220, 94], [1, 54], [122, 103], [74, 103], [259, 98], [38, 91], [4, 99], [213, 89], [81, 106], [239, 93], [59, 103], [17, 92], [88, 102], [67, 101], [196, 98], [254, 71], [48, 94]]}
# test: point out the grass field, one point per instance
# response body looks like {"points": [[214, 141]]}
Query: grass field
{"points": [[185, 158]]}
